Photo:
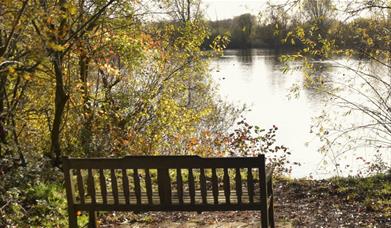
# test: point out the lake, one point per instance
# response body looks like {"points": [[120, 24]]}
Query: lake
{"points": [[255, 77]]}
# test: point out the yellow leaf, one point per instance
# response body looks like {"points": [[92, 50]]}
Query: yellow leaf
{"points": [[72, 10], [27, 77], [370, 41], [11, 70], [56, 47]]}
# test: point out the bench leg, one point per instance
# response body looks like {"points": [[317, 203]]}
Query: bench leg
{"points": [[264, 217], [72, 218], [92, 219], [271, 213]]}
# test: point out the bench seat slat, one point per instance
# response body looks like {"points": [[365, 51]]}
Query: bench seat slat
{"points": [[173, 207], [198, 199]]}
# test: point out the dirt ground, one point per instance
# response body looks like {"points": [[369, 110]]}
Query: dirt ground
{"points": [[297, 204], [244, 219]]}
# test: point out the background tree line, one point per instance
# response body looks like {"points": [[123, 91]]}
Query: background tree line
{"points": [[271, 28]]}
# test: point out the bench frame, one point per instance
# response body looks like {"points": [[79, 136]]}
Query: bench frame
{"points": [[163, 164]]}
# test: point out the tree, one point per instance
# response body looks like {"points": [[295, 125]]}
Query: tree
{"points": [[274, 21], [17, 61], [243, 28], [184, 10], [58, 32]]}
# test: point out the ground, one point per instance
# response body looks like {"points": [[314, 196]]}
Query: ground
{"points": [[298, 203]]}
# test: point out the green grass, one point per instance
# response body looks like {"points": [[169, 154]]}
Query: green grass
{"points": [[374, 191]]}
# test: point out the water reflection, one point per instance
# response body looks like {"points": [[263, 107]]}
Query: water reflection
{"points": [[255, 78], [245, 56]]}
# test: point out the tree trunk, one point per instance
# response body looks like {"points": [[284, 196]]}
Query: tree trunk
{"points": [[86, 131], [60, 100], [3, 131]]}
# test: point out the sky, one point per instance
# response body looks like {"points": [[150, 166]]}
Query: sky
{"points": [[223, 9]]}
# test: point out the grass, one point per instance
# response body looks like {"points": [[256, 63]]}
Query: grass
{"points": [[374, 191]]}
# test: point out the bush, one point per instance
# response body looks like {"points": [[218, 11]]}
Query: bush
{"points": [[29, 198]]}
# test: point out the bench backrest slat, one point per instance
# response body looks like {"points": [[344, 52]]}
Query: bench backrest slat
{"points": [[148, 186], [238, 182], [80, 185], [215, 186], [102, 183], [164, 186], [179, 184], [137, 188], [125, 185], [250, 185], [191, 187], [91, 186], [114, 186], [203, 186], [227, 186]]}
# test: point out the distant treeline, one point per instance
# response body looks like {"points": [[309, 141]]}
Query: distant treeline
{"points": [[249, 31], [244, 32]]}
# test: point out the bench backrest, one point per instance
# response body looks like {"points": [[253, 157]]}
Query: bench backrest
{"points": [[143, 183]]}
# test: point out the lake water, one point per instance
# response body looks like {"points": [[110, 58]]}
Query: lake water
{"points": [[255, 78]]}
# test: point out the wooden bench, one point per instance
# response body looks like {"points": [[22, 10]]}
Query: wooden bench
{"points": [[168, 183]]}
